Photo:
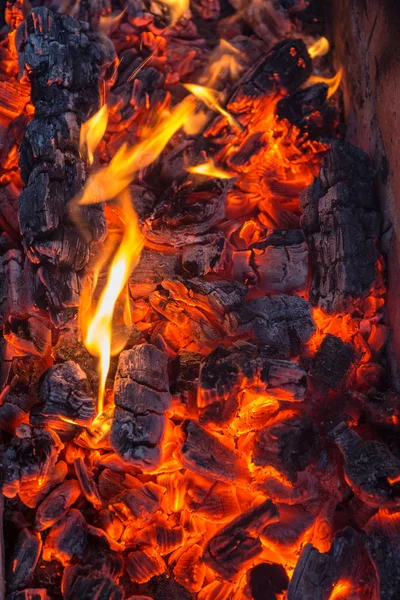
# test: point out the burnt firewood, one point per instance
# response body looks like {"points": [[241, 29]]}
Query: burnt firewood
{"points": [[67, 539], [23, 561], [288, 532], [224, 371], [267, 580], [153, 267], [30, 594], [370, 468], [84, 582], [140, 503], [64, 394], [185, 372], [141, 395], [31, 454], [381, 539], [342, 225], [57, 504], [282, 323], [238, 542], [62, 60], [28, 336], [142, 565], [275, 264], [289, 445], [308, 110], [32, 495], [190, 569], [86, 482], [331, 363], [316, 574], [203, 453], [210, 257]]}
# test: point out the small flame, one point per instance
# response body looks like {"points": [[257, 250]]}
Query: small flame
{"points": [[98, 329], [177, 9], [92, 132], [333, 83], [223, 61], [210, 98], [107, 23], [210, 169], [109, 182], [341, 590], [319, 48]]}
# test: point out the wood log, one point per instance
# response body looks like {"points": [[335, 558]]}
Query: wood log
{"points": [[342, 225], [25, 556], [238, 542], [62, 61], [212, 256], [56, 505], [331, 364], [67, 539], [141, 395]]}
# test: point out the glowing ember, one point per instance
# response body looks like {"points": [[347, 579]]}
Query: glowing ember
{"points": [[319, 48], [210, 170], [210, 98]]}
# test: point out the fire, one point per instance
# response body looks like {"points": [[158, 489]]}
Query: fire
{"points": [[333, 83], [97, 329], [177, 9], [92, 132], [341, 590], [210, 170], [223, 61], [319, 48], [210, 98], [108, 182]]}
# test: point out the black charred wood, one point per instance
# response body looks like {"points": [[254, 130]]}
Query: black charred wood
{"points": [[316, 574], [306, 108], [30, 594], [371, 469], [382, 540], [342, 227], [289, 445], [203, 453], [238, 542], [64, 393], [23, 561], [67, 539], [141, 395], [267, 580], [211, 257], [83, 582], [56, 505], [331, 363]]}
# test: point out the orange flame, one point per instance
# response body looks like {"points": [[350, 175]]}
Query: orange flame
{"points": [[177, 9], [97, 329], [223, 60], [333, 83], [341, 590], [109, 182], [92, 132], [319, 48], [210, 98], [210, 170]]}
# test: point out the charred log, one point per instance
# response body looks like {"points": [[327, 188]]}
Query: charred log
{"points": [[331, 363], [381, 539], [27, 549]]}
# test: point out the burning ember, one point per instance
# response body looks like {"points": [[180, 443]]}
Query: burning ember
{"points": [[194, 400]]}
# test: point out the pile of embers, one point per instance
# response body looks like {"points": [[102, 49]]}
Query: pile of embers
{"points": [[249, 444]]}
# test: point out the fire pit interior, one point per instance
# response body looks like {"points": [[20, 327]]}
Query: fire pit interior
{"points": [[198, 399]]}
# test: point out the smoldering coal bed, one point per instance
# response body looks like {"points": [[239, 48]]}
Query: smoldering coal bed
{"points": [[196, 399]]}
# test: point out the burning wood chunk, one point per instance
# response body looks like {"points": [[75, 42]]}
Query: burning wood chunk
{"points": [[142, 565], [331, 363], [67, 539], [83, 582], [275, 264], [317, 575], [33, 493], [210, 257], [64, 395], [289, 445], [27, 549], [28, 336], [190, 569], [141, 395], [140, 503], [225, 371], [51, 167], [203, 453], [212, 500], [267, 580], [300, 107], [57, 504], [288, 533], [342, 225], [30, 594], [282, 323], [237, 543], [370, 468], [63, 290], [30, 456], [87, 485], [382, 541], [153, 267]]}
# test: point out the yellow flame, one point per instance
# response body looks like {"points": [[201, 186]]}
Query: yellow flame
{"points": [[98, 328], [109, 182], [341, 588], [92, 132], [210, 98], [333, 83], [210, 169], [223, 60], [177, 9], [319, 48], [107, 23]]}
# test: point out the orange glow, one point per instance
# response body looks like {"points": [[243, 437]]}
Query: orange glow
{"points": [[210, 170], [177, 9], [393, 480], [333, 83], [319, 48], [224, 60], [108, 182], [210, 98], [92, 132], [107, 23], [341, 590], [96, 322]]}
